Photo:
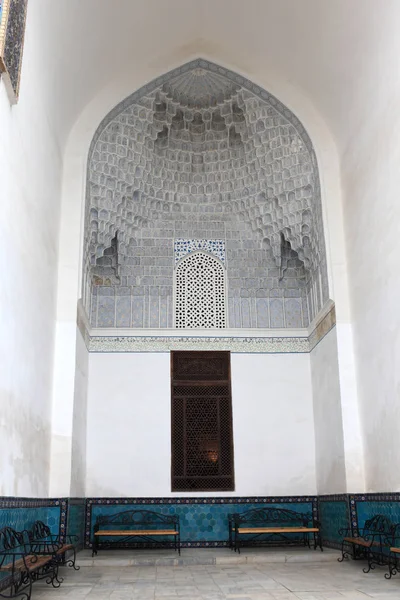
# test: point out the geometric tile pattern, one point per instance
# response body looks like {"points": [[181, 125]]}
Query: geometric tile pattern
{"points": [[203, 521], [365, 506], [21, 513], [199, 292], [333, 515], [184, 247], [76, 519]]}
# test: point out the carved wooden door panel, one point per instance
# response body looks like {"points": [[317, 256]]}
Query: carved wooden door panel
{"points": [[202, 437]]}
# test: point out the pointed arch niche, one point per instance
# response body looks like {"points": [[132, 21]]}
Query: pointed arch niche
{"points": [[201, 153]]}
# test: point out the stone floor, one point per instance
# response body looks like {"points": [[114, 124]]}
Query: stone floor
{"points": [[263, 575]]}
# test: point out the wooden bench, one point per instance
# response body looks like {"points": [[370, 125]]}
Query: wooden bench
{"points": [[24, 564], [368, 542], [129, 526], [394, 551], [272, 526], [66, 544]]}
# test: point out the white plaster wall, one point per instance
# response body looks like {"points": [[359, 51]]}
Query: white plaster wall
{"points": [[329, 442], [129, 425], [79, 424], [30, 178], [371, 183]]}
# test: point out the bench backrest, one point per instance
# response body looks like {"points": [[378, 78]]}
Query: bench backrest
{"points": [[136, 518], [10, 539], [378, 524], [39, 531], [274, 517]]}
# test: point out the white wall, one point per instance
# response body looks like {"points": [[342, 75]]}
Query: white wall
{"points": [[371, 183], [129, 425], [30, 177], [329, 443], [79, 424]]}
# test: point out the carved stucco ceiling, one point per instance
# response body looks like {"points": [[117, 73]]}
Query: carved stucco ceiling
{"points": [[204, 136]]}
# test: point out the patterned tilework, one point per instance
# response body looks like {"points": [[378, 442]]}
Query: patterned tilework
{"points": [[184, 247], [333, 515], [203, 521], [76, 519], [275, 345], [21, 513], [363, 507]]}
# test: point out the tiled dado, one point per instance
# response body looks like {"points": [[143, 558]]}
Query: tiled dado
{"points": [[300, 344], [61, 515], [351, 511], [334, 514], [203, 521], [365, 506], [76, 519], [21, 513]]}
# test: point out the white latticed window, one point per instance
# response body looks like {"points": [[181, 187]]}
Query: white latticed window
{"points": [[200, 292]]}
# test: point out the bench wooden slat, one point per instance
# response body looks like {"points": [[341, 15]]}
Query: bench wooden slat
{"points": [[395, 550], [31, 563], [359, 541], [277, 529], [137, 532], [64, 548]]}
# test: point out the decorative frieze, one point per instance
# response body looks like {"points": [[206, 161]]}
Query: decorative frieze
{"points": [[165, 340]]}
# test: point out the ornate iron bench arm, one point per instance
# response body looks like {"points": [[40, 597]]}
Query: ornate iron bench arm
{"points": [[44, 547]]}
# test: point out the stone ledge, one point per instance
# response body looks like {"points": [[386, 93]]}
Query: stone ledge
{"points": [[267, 341]]}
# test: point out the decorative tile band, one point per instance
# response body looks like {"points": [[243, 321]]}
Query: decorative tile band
{"points": [[204, 521], [184, 247], [166, 343]]}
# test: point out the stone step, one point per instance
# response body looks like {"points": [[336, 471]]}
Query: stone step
{"points": [[203, 556]]}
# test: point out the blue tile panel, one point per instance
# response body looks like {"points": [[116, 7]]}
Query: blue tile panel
{"points": [[366, 506], [76, 519], [24, 518], [203, 521], [333, 516], [21, 513]]}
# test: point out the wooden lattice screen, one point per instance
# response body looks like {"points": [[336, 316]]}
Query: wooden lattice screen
{"points": [[202, 440]]}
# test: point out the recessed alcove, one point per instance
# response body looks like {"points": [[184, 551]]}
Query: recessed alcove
{"points": [[196, 155], [204, 232]]}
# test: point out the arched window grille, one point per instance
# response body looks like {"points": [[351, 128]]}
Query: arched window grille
{"points": [[200, 292]]}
